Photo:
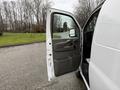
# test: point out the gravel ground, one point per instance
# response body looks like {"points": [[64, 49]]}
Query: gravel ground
{"points": [[24, 68]]}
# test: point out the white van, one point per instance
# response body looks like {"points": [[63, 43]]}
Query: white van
{"points": [[93, 50]]}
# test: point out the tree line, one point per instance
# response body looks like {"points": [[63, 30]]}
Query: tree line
{"points": [[23, 15], [84, 9]]}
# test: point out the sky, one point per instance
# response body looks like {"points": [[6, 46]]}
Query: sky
{"points": [[66, 5]]}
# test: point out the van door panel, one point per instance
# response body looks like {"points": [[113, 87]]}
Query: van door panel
{"points": [[64, 40], [66, 56]]}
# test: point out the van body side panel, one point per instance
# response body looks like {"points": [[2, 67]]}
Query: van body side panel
{"points": [[104, 70]]}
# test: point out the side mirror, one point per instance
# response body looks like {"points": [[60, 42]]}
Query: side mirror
{"points": [[72, 33]]}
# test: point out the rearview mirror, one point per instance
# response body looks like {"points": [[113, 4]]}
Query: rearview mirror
{"points": [[72, 33]]}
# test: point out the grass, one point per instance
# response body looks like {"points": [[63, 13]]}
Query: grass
{"points": [[21, 38]]}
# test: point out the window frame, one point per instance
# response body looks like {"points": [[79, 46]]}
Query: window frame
{"points": [[90, 17], [97, 10], [52, 21]]}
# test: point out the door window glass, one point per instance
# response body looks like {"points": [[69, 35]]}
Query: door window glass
{"points": [[64, 27], [88, 34]]}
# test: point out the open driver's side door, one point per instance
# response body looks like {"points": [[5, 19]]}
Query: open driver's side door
{"points": [[63, 43]]}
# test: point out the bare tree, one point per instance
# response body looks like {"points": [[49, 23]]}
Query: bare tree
{"points": [[46, 5], [14, 14], [97, 2], [37, 8], [84, 9], [1, 22], [23, 15], [5, 14]]}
